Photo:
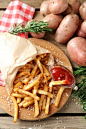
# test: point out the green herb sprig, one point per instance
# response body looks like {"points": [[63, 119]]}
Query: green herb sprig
{"points": [[80, 71], [33, 26], [81, 92]]}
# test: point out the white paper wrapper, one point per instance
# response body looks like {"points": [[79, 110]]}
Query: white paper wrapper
{"points": [[15, 52]]}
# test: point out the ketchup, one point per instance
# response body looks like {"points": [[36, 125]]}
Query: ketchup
{"points": [[59, 73]]}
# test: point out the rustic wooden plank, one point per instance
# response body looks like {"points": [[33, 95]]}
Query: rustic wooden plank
{"points": [[4, 4], [34, 3], [65, 122], [1, 13]]}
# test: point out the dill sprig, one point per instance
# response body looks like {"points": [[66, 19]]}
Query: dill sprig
{"points": [[33, 26]]}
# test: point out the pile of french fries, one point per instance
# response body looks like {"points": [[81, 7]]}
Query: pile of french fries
{"points": [[33, 85]]}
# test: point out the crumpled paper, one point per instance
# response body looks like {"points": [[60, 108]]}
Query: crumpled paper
{"points": [[15, 52]]}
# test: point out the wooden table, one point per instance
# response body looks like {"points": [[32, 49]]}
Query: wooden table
{"points": [[71, 116]]}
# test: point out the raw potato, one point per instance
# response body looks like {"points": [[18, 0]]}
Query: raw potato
{"points": [[53, 20], [80, 32], [83, 26], [67, 28], [82, 10], [76, 48], [73, 7], [37, 35], [57, 6], [44, 8]]}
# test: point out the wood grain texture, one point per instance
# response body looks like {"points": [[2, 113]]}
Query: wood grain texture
{"points": [[24, 113], [65, 122], [34, 3]]}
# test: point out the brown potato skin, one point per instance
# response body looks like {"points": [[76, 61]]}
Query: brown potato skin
{"points": [[67, 28], [79, 31], [37, 35], [73, 7], [76, 48], [44, 10], [58, 6], [53, 20], [83, 26], [82, 10]]}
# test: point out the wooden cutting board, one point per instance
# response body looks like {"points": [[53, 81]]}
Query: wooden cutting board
{"points": [[28, 113]]}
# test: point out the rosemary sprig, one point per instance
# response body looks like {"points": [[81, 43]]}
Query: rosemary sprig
{"points": [[80, 71], [33, 26], [81, 92]]}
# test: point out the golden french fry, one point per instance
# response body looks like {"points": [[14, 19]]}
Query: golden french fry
{"points": [[37, 72], [32, 75], [18, 84], [21, 104], [22, 74], [58, 97], [56, 83], [28, 103], [40, 66], [18, 100], [45, 93], [36, 108], [34, 71], [44, 103], [42, 98], [20, 79], [29, 65], [46, 71], [17, 95], [36, 102], [28, 93], [36, 81], [15, 109], [28, 98], [47, 106], [24, 70]]}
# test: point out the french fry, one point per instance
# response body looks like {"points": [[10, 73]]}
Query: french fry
{"points": [[56, 83], [32, 75], [42, 98], [28, 98], [15, 109], [58, 97], [21, 104], [20, 79], [28, 93], [44, 103], [24, 70], [36, 102], [17, 95], [47, 75], [18, 100], [29, 86], [45, 93], [39, 65], [22, 74], [47, 106], [28, 103], [29, 65], [17, 84]]}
